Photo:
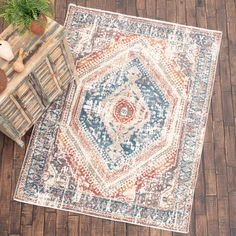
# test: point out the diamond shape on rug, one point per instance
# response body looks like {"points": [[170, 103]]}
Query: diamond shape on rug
{"points": [[124, 141]]}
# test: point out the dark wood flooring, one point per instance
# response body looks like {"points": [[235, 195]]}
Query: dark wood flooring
{"points": [[214, 211]]}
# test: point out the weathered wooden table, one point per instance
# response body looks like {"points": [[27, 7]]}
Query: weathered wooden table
{"points": [[49, 67]]}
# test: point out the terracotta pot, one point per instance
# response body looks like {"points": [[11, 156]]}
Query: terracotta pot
{"points": [[38, 27], [3, 81]]}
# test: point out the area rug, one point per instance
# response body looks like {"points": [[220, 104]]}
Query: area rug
{"points": [[124, 141]]}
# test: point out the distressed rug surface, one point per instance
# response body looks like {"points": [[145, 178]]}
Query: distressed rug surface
{"points": [[124, 142]]}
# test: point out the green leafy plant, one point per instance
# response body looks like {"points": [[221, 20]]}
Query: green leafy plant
{"points": [[21, 13]]}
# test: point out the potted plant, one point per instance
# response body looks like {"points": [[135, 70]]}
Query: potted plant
{"points": [[27, 14]]}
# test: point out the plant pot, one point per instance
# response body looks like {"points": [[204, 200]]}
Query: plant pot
{"points": [[3, 81], [38, 27]]}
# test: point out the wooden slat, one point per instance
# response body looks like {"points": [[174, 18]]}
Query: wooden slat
{"points": [[107, 228], [6, 174], [144, 231], [119, 229], [96, 226], [27, 231], [171, 10], [50, 224], [181, 11], [73, 224], [61, 223], [151, 9], [232, 209], [85, 225], [212, 215], [133, 230], [230, 146], [155, 232], [15, 216], [38, 221], [223, 216], [199, 201], [161, 9]]}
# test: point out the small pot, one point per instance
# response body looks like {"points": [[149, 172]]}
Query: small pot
{"points": [[3, 81], [38, 27]]}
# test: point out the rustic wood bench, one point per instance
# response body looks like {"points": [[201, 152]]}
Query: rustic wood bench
{"points": [[49, 67]]}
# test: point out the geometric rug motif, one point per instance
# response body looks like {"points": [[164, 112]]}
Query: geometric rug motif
{"points": [[124, 141]]}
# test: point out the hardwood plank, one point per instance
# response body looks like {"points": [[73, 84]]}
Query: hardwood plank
{"points": [[131, 7], [221, 172], [81, 2], [222, 185], [120, 229], [212, 215], [38, 221], [208, 156], [15, 216], [230, 8], [141, 4], [209, 129], [155, 232], [201, 225], [85, 225], [217, 111], [26, 231], [121, 6], [60, 11], [200, 3], [233, 231], [230, 146], [161, 9], [181, 11], [61, 223], [211, 9], [144, 231], [166, 233], [224, 67], [231, 171], [218, 134], [192, 228], [96, 226], [171, 10], [132, 230], [6, 174], [111, 5], [223, 216], [199, 201], [73, 225], [210, 182], [50, 224], [232, 209], [191, 12], [228, 112], [234, 100], [151, 8], [107, 228], [201, 17]]}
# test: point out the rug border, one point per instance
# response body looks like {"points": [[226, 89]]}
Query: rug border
{"points": [[101, 217], [139, 17]]}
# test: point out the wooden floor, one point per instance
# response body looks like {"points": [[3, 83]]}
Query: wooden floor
{"points": [[214, 211]]}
